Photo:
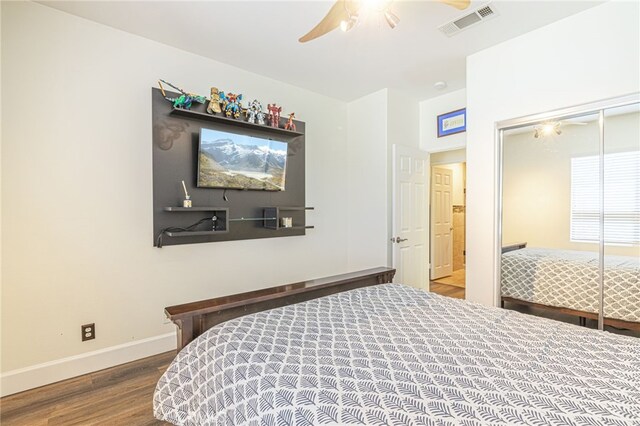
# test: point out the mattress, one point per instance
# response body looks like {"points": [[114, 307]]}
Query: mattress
{"points": [[394, 355], [570, 279]]}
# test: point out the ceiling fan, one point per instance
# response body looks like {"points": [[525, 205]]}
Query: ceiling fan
{"points": [[346, 14], [549, 128]]}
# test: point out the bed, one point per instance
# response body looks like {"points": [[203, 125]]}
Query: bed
{"points": [[570, 280], [390, 354]]}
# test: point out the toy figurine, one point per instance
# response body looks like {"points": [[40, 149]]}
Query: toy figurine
{"points": [[290, 125], [274, 115], [214, 102], [184, 100], [254, 112], [231, 104]]}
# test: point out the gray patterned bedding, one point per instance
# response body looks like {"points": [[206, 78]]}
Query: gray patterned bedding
{"points": [[394, 355], [569, 279]]}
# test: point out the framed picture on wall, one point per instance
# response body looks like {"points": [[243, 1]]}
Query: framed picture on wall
{"points": [[452, 122]]}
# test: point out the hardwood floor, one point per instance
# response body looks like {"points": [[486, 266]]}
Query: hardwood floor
{"points": [[447, 290], [120, 395], [457, 279]]}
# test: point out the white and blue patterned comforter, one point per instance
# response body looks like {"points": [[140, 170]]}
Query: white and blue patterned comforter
{"points": [[570, 279], [394, 355]]}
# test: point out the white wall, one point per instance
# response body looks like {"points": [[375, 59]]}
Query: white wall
{"points": [[429, 111], [366, 184], [375, 123], [77, 191], [586, 57], [404, 119], [448, 157]]}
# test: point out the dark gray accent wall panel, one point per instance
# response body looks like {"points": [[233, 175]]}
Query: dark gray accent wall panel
{"points": [[175, 153]]}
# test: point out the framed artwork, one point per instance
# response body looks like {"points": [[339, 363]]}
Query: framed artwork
{"points": [[452, 122]]}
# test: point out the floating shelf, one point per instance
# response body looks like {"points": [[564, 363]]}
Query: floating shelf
{"points": [[221, 224], [245, 219], [272, 218], [194, 209], [193, 233], [239, 123], [293, 209]]}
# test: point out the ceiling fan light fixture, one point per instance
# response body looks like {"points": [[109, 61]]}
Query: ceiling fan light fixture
{"points": [[346, 14], [375, 5], [547, 129], [391, 18], [346, 25]]}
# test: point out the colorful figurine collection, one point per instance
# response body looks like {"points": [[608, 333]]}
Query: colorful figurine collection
{"points": [[290, 125], [184, 100], [254, 112], [274, 115], [230, 105], [214, 102]]}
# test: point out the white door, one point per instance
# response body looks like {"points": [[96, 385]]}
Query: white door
{"points": [[441, 223], [410, 212]]}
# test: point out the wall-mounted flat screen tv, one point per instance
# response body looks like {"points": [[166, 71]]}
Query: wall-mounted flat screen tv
{"points": [[228, 160]]}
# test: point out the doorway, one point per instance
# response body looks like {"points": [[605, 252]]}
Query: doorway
{"points": [[448, 220]]}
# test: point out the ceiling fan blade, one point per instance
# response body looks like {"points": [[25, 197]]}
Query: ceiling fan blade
{"points": [[331, 21], [458, 4]]}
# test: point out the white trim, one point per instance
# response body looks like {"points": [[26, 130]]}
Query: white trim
{"points": [[571, 112], [54, 371]]}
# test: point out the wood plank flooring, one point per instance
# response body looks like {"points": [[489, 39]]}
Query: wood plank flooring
{"points": [[457, 279], [447, 290], [120, 395]]}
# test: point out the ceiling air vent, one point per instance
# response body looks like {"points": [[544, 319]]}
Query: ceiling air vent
{"points": [[469, 19]]}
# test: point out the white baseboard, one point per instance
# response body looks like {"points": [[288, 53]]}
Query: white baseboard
{"points": [[53, 371]]}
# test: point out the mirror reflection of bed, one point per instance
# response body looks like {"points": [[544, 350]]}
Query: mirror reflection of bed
{"points": [[553, 259]]}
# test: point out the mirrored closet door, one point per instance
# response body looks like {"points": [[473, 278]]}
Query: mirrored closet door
{"points": [[570, 217], [621, 220]]}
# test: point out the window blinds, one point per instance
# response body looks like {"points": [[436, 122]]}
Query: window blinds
{"points": [[621, 198]]}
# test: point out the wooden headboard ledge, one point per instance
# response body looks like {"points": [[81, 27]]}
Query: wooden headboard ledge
{"points": [[193, 319]]}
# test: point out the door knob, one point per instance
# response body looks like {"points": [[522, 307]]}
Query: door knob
{"points": [[398, 240]]}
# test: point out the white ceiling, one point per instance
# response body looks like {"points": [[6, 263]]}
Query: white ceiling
{"points": [[261, 36]]}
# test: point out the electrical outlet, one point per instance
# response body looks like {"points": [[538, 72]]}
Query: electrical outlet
{"points": [[88, 332]]}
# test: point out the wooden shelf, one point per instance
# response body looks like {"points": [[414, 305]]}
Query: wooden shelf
{"points": [[194, 209], [293, 209], [272, 218], [193, 233], [233, 122], [251, 219]]}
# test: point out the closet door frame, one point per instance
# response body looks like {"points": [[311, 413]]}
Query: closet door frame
{"points": [[597, 107]]}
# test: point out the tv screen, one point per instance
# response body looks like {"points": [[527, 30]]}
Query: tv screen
{"points": [[228, 160]]}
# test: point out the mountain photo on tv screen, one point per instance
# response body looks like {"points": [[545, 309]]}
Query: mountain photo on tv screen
{"points": [[228, 160]]}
